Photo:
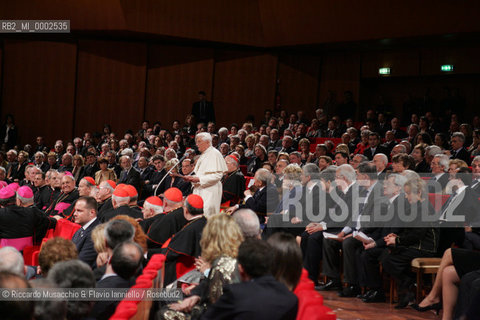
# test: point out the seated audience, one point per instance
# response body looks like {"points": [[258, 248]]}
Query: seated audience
{"points": [[73, 274], [220, 240], [53, 251], [259, 296], [124, 263]]}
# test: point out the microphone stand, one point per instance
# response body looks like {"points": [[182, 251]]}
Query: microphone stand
{"points": [[158, 185]]}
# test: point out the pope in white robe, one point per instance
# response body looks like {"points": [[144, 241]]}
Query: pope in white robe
{"points": [[209, 170]]}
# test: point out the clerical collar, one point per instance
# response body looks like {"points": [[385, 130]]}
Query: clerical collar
{"points": [[230, 173]]}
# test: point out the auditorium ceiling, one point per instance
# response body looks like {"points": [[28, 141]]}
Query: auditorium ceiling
{"points": [[257, 23]]}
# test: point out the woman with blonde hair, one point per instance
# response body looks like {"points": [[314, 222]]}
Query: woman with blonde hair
{"points": [[78, 167], [291, 176], [342, 147], [250, 143], [305, 153], [220, 241], [454, 165], [98, 239], [291, 187]]}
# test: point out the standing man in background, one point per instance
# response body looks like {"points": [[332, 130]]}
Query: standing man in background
{"points": [[203, 109]]}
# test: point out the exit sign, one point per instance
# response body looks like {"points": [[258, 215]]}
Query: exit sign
{"points": [[447, 67], [384, 71]]}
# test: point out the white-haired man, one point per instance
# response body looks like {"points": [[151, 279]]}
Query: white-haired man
{"points": [[40, 161], [345, 178], [209, 170], [440, 177], [129, 175], [151, 207], [104, 196], [380, 161]]}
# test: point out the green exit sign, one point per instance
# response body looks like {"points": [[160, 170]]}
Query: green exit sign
{"points": [[447, 67], [384, 71]]}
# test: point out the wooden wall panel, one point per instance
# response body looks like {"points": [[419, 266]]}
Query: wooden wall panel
{"points": [[298, 77], [175, 75], [396, 90], [262, 23], [38, 88], [244, 84], [287, 22], [236, 21], [400, 62], [464, 59], [340, 72], [110, 86]]}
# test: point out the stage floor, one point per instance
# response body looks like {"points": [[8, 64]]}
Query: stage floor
{"points": [[354, 309]]}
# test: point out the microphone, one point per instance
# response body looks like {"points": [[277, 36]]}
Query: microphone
{"points": [[180, 161]]}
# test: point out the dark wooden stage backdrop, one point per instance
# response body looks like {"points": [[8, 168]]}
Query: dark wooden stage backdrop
{"points": [[61, 89], [126, 61]]}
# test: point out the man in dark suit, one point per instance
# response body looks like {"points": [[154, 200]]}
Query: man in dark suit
{"points": [[374, 146], [287, 145], [203, 109], [370, 193], [92, 165], [275, 141], [463, 203], [332, 130], [397, 132], [476, 174], [382, 126], [40, 161], [129, 175], [439, 179], [85, 215], [67, 160], [369, 258], [259, 296], [264, 200], [112, 163], [157, 176], [458, 150], [144, 169], [123, 265], [389, 141], [347, 194]]}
